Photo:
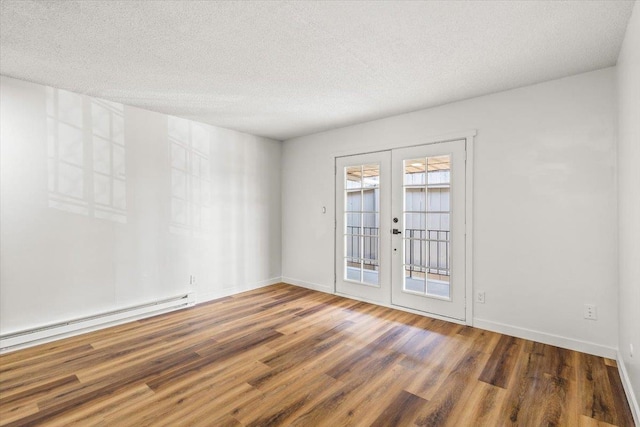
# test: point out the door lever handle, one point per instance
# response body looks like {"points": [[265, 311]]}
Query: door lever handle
{"points": [[396, 231]]}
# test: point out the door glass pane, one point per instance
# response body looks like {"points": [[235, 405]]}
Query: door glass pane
{"points": [[352, 246], [415, 199], [427, 232], [415, 225], [353, 174], [354, 200], [352, 270], [370, 176], [415, 254], [414, 279], [439, 170], [438, 200], [362, 214], [370, 223], [370, 248], [414, 171], [369, 199], [353, 223], [370, 273]]}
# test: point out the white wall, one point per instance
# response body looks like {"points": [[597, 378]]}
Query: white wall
{"points": [[88, 226], [544, 204], [628, 70]]}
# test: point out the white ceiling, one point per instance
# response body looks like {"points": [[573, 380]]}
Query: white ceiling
{"points": [[284, 69]]}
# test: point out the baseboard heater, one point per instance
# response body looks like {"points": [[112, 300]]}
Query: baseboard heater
{"points": [[45, 333]]}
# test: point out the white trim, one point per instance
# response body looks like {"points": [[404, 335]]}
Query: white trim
{"points": [[48, 333], [20, 340], [546, 338], [528, 334], [333, 289], [468, 236], [209, 296], [431, 139], [628, 389], [313, 286]]}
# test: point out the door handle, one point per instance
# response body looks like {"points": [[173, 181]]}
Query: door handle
{"points": [[396, 231]]}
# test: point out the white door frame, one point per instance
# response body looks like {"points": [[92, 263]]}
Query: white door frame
{"points": [[469, 137]]}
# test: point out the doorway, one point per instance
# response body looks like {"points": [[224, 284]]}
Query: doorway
{"points": [[401, 235]]}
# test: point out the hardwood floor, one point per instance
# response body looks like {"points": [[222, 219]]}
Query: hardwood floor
{"points": [[283, 355]]}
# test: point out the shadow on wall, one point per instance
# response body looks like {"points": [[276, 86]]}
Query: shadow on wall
{"points": [[86, 156], [189, 145], [86, 163]]}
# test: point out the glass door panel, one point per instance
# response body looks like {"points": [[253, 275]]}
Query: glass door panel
{"points": [[400, 228], [428, 254], [362, 224], [426, 231], [361, 183]]}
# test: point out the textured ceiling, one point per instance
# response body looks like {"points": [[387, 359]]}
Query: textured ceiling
{"points": [[284, 69]]}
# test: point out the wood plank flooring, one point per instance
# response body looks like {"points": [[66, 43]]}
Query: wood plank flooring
{"points": [[284, 355]]}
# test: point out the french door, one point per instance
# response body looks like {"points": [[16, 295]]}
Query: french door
{"points": [[400, 228], [428, 198], [363, 218]]}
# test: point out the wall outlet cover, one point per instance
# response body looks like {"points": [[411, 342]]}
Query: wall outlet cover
{"points": [[590, 312]]}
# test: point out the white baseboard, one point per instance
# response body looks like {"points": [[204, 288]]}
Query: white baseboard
{"points": [[313, 286], [529, 334], [628, 389], [69, 328], [17, 341], [48, 333], [204, 297], [546, 338]]}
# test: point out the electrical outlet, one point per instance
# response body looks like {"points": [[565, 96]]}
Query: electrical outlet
{"points": [[480, 297], [630, 349], [590, 312]]}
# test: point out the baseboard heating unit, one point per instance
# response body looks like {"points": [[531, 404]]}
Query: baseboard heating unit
{"points": [[30, 337]]}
